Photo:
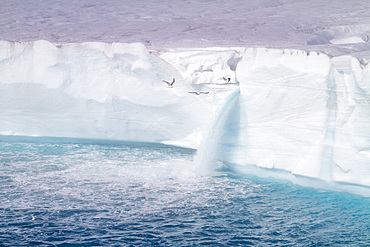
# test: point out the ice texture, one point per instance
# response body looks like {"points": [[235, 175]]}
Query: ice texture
{"points": [[306, 113], [100, 90], [320, 25]]}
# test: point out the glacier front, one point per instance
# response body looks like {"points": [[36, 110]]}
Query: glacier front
{"points": [[306, 113]]}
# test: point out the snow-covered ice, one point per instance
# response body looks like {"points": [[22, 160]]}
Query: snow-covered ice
{"points": [[312, 25], [287, 82]]}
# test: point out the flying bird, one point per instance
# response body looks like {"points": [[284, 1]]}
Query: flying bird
{"points": [[170, 84], [225, 79], [198, 93]]}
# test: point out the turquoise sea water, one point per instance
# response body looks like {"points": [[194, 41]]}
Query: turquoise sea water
{"points": [[63, 193]]}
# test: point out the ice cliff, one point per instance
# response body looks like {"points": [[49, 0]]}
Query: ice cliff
{"points": [[306, 113]]}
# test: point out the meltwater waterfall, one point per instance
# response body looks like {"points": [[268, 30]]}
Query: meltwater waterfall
{"points": [[212, 150]]}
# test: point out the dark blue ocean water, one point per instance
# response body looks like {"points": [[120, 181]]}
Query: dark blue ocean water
{"points": [[115, 194]]}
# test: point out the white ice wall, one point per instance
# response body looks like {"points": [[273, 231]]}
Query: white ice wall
{"points": [[351, 148], [284, 97], [305, 113], [99, 90], [302, 112]]}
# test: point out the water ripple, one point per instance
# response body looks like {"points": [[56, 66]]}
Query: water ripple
{"points": [[55, 194]]}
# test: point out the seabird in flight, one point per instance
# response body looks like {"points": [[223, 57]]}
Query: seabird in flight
{"points": [[225, 79], [170, 84], [198, 93]]}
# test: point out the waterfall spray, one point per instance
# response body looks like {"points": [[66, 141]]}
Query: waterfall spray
{"points": [[207, 156]]}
